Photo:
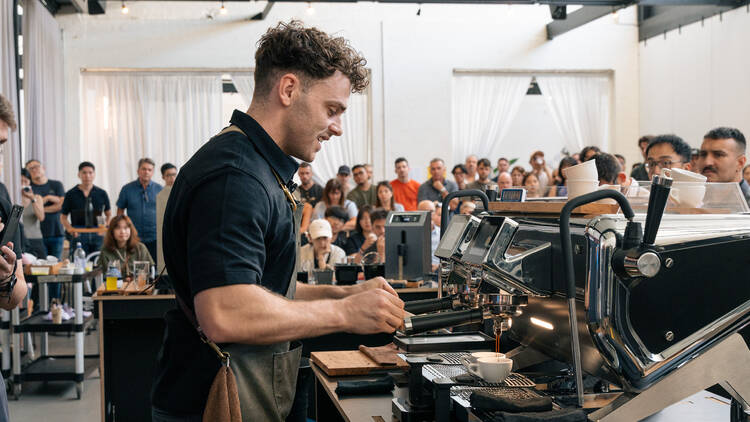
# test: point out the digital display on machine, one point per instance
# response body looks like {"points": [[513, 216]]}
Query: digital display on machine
{"points": [[513, 195], [486, 232], [453, 235], [405, 218]]}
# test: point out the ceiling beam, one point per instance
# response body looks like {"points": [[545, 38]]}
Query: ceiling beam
{"points": [[262, 15], [658, 20], [578, 18]]}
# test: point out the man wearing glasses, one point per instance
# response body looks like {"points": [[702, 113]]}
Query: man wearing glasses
{"points": [[666, 151], [138, 198], [722, 158]]}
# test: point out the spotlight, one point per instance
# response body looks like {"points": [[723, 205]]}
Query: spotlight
{"points": [[310, 9], [222, 9], [419, 9], [558, 12], [124, 9]]}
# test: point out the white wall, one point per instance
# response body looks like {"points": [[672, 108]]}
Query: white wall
{"points": [[697, 78], [411, 57]]}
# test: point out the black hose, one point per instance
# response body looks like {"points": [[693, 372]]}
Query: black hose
{"points": [[565, 240], [428, 305], [456, 194]]}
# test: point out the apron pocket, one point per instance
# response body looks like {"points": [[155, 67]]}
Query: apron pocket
{"points": [[285, 369]]}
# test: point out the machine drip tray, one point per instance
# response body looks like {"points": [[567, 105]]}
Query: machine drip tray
{"points": [[451, 342]]}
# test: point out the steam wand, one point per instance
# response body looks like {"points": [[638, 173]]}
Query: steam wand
{"points": [[569, 270]]}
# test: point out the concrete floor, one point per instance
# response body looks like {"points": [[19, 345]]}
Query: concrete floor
{"points": [[56, 401]]}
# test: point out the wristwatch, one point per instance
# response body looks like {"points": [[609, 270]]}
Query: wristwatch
{"points": [[6, 287]]}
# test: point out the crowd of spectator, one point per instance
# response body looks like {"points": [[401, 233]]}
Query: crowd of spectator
{"points": [[340, 217]]}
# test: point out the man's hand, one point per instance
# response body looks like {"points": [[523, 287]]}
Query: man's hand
{"points": [[372, 284], [373, 311], [7, 260], [438, 185]]}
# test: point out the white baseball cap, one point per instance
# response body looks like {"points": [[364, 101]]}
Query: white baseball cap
{"points": [[320, 228]]}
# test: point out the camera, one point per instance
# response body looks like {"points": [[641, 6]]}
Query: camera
{"points": [[27, 188]]}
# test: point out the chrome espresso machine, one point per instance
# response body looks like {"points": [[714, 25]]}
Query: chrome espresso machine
{"points": [[651, 305]]}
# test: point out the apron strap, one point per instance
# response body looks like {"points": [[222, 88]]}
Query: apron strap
{"points": [[190, 314]]}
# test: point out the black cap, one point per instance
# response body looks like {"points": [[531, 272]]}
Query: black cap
{"points": [[344, 170]]}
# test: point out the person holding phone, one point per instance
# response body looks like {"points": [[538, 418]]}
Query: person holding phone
{"points": [[33, 215], [12, 281]]}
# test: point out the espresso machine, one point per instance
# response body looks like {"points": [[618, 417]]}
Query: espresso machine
{"points": [[651, 305]]}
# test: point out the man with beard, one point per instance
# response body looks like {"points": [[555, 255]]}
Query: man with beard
{"points": [[722, 158], [229, 240]]}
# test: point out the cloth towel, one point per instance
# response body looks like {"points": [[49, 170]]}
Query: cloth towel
{"points": [[562, 415], [381, 385], [487, 401]]}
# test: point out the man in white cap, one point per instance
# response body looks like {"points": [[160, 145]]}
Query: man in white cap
{"points": [[321, 254]]}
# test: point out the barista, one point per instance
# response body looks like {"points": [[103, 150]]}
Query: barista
{"points": [[229, 237]]}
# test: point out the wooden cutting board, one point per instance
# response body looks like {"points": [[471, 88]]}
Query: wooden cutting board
{"points": [[350, 362]]}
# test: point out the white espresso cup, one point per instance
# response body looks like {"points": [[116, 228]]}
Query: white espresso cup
{"points": [[467, 360], [682, 175], [493, 369], [583, 171], [688, 194], [581, 187]]}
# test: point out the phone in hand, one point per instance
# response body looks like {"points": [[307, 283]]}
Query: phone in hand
{"points": [[11, 226]]}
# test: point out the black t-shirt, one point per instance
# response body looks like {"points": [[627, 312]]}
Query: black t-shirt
{"points": [[51, 226], [355, 241], [76, 203], [312, 195], [227, 222]]}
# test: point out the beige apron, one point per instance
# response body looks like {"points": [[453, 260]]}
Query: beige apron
{"points": [[267, 375]]}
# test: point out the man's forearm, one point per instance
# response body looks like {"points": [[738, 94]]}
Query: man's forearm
{"points": [[225, 317], [308, 292]]}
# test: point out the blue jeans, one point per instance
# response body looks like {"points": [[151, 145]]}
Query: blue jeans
{"points": [[158, 415], [90, 242], [54, 247]]}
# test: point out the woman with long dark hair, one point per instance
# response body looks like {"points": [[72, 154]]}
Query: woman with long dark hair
{"points": [[384, 199], [121, 243], [333, 195], [560, 189]]}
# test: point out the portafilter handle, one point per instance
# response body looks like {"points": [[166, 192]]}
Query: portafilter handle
{"points": [[657, 202], [422, 323], [429, 305]]}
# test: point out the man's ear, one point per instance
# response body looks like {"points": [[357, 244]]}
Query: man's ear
{"points": [[741, 160], [687, 166], [287, 88], [622, 178]]}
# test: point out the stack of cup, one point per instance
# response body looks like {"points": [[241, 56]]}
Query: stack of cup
{"points": [[581, 179], [688, 188]]}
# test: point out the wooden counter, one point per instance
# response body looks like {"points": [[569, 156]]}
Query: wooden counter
{"points": [[329, 407], [131, 329]]}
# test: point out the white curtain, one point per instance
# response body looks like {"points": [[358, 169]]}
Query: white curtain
{"points": [[353, 147], [484, 106], [43, 89], [161, 115], [580, 106], [11, 155], [245, 85]]}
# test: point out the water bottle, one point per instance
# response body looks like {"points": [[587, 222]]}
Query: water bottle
{"points": [[79, 259]]}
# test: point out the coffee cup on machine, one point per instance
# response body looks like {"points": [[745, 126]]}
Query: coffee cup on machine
{"points": [[493, 369], [584, 171], [581, 187], [467, 360]]}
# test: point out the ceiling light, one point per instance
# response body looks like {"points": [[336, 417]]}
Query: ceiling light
{"points": [[223, 10], [310, 9], [124, 9], [419, 10]]}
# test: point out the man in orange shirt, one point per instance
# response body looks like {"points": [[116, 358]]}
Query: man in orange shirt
{"points": [[404, 189]]}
